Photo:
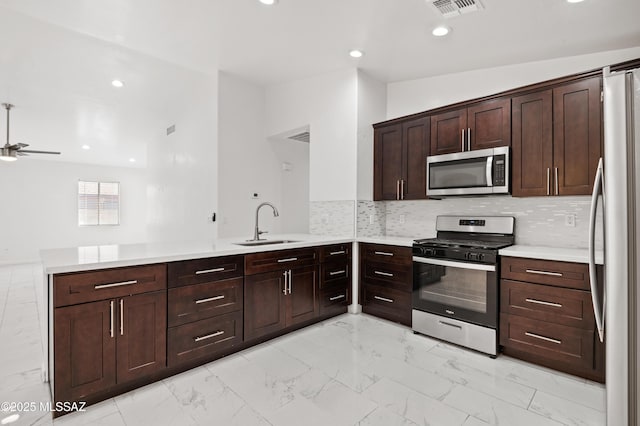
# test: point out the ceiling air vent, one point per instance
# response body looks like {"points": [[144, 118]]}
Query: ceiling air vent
{"points": [[451, 8], [301, 137]]}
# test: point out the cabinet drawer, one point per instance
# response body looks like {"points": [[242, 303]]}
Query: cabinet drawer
{"points": [[277, 260], [558, 305], [71, 289], [204, 338], [389, 303], [569, 346], [334, 298], [386, 254], [197, 271], [387, 275], [332, 272], [335, 252], [199, 301], [560, 274]]}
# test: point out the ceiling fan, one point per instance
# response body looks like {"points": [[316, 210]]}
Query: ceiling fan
{"points": [[11, 152]]}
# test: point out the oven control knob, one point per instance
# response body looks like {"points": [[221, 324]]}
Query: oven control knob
{"points": [[428, 251], [480, 256]]}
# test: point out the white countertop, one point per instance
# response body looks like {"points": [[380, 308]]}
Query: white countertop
{"points": [[552, 253], [86, 258]]}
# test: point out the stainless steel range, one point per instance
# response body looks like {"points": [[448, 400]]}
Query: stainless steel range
{"points": [[456, 278]]}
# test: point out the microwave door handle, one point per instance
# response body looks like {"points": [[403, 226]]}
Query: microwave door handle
{"points": [[490, 170]]}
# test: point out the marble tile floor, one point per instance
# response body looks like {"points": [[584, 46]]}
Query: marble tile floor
{"points": [[349, 370]]}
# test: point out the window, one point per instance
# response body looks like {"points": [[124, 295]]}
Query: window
{"points": [[98, 203]]}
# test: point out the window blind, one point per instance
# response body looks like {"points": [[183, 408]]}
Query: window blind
{"points": [[98, 203]]}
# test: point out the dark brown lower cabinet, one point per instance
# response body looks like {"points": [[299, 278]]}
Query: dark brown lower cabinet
{"points": [[275, 300], [100, 344]]}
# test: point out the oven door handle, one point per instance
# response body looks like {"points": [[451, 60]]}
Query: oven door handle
{"points": [[453, 264]]}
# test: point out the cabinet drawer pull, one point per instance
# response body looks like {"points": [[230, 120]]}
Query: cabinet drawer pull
{"points": [[546, 339], [542, 302], [120, 284], [335, 253], [208, 336], [450, 325], [342, 271], [208, 271], [383, 253], [288, 259], [111, 319], [209, 299], [384, 299], [121, 317], [384, 274], [342, 296], [553, 274]]}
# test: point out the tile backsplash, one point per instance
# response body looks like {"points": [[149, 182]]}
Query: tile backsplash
{"points": [[332, 218], [540, 221]]}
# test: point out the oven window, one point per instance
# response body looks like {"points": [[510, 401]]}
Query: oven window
{"points": [[458, 174], [451, 287]]}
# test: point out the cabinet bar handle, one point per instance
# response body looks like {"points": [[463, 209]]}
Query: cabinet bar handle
{"points": [[101, 286], [383, 253], [398, 189], [469, 139], [290, 281], [342, 296], [121, 317], [546, 339], [289, 259], [402, 189], [384, 274], [542, 302], [553, 274], [450, 325], [462, 139], [556, 179], [111, 319], [209, 299], [342, 271], [286, 277], [334, 253], [208, 271], [208, 336], [384, 299], [548, 181]]}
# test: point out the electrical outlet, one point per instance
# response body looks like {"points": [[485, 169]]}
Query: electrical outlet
{"points": [[401, 219], [370, 219], [570, 220]]}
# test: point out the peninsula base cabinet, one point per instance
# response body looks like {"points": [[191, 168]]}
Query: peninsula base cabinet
{"points": [[547, 318], [103, 343]]}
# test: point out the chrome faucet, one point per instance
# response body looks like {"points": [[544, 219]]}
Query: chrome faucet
{"points": [[258, 232]]}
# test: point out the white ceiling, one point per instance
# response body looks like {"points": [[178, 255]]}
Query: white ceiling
{"points": [[57, 77]]}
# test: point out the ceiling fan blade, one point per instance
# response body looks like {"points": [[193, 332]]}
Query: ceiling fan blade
{"points": [[18, 146], [30, 151], [21, 154]]}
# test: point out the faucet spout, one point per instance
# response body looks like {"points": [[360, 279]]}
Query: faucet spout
{"points": [[257, 231]]}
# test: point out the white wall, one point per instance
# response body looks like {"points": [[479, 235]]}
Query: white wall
{"points": [[248, 163], [372, 100], [409, 97], [328, 105], [40, 207]]}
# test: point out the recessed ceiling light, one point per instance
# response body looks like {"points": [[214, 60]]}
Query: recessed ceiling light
{"points": [[86, 147], [269, 2], [441, 31], [132, 160], [355, 53], [575, 1], [117, 83]]}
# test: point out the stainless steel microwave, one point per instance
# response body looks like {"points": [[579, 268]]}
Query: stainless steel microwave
{"points": [[480, 172]]}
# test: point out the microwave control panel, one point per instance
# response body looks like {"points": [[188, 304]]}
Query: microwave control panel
{"points": [[499, 170]]}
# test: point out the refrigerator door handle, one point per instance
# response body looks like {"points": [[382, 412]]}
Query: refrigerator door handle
{"points": [[598, 185]]}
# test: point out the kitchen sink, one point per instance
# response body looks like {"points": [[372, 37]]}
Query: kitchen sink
{"points": [[264, 242]]}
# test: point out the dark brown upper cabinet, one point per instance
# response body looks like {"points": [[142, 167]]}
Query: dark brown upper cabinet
{"points": [[557, 139], [400, 160], [481, 125]]}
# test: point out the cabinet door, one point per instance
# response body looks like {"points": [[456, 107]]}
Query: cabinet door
{"points": [[489, 124], [532, 144], [446, 132], [84, 350], [415, 143], [264, 307], [141, 335], [302, 301], [577, 136], [387, 162]]}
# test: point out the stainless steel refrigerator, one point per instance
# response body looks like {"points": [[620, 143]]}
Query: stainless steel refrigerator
{"points": [[616, 187]]}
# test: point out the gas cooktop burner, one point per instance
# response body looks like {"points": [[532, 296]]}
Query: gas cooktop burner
{"points": [[455, 243]]}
